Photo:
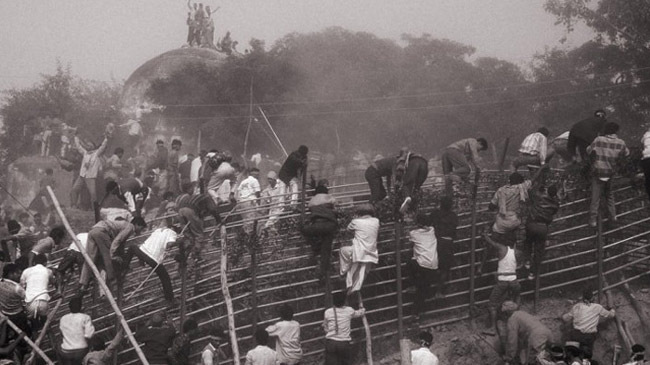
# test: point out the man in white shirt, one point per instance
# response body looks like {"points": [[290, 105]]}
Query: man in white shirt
{"points": [[262, 353], [336, 323], [423, 355], [424, 265], [36, 281], [584, 317], [248, 191], [273, 197], [287, 332], [90, 166], [152, 252], [76, 329], [356, 260]]}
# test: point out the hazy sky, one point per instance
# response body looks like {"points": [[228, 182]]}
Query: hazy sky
{"points": [[111, 38]]}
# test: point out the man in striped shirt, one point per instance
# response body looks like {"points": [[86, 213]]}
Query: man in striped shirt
{"points": [[532, 150], [604, 152]]}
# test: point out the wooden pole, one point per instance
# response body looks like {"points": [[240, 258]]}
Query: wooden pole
{"points": [[366, 327], [252, 247], [250, 123], [303, 203], [46, 326], [273, 131], [599, 252], [29, 341], [182, 267], [502, 159], [400, 301], [102, 284], [619, 325], [472, 254], [226, 296]]}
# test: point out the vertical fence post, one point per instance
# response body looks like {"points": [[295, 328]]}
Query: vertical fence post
{"points": [[403, 344], [226, 295], [252, 247], [472, 252], [366, 327], [182, 267], [599, 241]]}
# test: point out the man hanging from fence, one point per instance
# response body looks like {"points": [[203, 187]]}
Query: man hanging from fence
{"points": [[532, 150], [322, 227], [36, 280], [543, 206], [356, 260], [604, 153], [411, 171], [192, 209], [445, 222], [221, 172], [105, 246], [423, 268], [294, 167], [507, 286], [71, 258]]}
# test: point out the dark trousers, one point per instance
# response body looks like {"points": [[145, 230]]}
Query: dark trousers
{"points": [[160, 270], [70, 259], [535, 244], [72, 357], [645, 165], [338, 352], [422, 278], [578, 143], [320, 234], [376, 184], [585, 339]]}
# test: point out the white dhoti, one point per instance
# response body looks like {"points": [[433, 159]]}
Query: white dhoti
{"points": [[355, 271]]}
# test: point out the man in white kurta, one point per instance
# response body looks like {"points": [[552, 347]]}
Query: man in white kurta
{"points": [[355, 260]]}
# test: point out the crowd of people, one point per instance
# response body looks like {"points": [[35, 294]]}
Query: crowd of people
{"points": [[193, 191]]}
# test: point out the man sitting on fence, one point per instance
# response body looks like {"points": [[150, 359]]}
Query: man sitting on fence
{"points": [[532, 150], [380, 168], [584, 317], [357, 259], [507, 286], [459, 157]]}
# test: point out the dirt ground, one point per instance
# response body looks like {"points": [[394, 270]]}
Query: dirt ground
{"points": [[457, 344]]}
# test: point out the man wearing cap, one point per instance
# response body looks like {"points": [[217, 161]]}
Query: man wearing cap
{"points": [[638, 356], [157, 335], [584, 316], [524, 328], [423, 354], [584, 132], [532, 150], [273, 197]]}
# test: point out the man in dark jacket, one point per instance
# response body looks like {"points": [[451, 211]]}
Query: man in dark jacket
{"points": [[584, 132], [294, 166], [380, 168]]}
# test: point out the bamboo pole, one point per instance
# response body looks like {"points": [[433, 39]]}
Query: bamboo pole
{"points": [[502, 158], [472, 255], [252, 247], [102, 284], [366, 327], [405, 356], [619, 323], [46, 326], [182, 267], [30, 342], [599, 242], [226, 296]]}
